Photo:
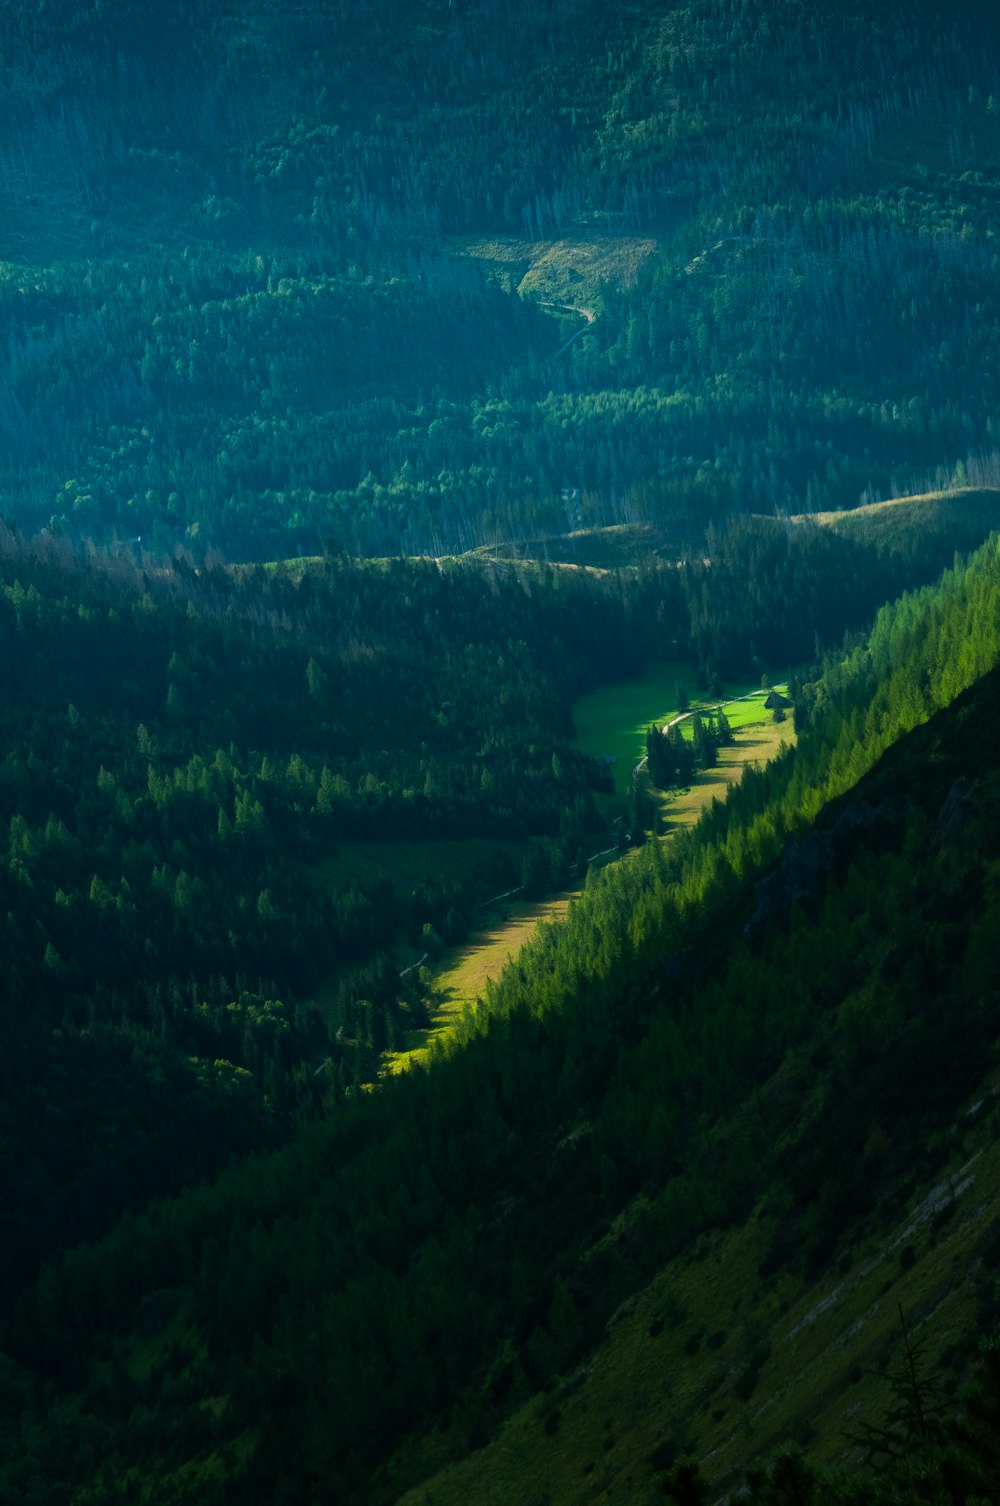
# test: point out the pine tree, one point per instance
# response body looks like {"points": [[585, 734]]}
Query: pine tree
{"points": [[703, 742], [979, 1431], [685, 1484], [683, 753], [660, 760], [915, 1417]]}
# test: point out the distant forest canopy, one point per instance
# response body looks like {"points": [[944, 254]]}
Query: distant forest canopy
{"points": [[276, 279]]}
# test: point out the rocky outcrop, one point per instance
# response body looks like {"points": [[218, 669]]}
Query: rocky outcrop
{"points": [[808, 862]]}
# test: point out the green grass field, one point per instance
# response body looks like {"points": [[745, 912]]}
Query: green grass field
{"points": [[747, 711], [613, 720], [461, 975]]}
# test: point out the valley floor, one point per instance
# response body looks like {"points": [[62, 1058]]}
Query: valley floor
{"points": [[755, 743], [461, 976]]}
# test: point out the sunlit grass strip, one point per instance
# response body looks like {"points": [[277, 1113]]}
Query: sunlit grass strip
{"points": [[612, 722], [756, 744], [461, 976]]}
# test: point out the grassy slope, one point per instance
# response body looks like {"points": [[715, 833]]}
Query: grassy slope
{"points": [[665, 1378], [461, 976], [969, 510], [755, 743], [615, 547]]}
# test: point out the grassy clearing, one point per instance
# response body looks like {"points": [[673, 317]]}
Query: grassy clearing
{"points": [[755, 744], [613, 721], [871, 510], [965, 514], [526, 557], [713, 1360], [569, 271], [460, 978], [746, 711], [749, 710], [597, 550]]}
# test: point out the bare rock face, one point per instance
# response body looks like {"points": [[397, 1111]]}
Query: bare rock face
{"points": [[960, 805]]}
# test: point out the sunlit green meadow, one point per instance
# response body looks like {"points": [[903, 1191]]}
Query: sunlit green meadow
{"points": [[612, 722], [460, 977]]}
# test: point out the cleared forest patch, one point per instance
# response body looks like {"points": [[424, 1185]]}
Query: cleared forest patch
{"points": [[461, 977], [961, 518], [611, 722], [569, 270], [756, 743]]}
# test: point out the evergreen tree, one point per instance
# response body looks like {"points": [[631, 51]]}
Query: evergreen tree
{"points": [[683, 756], [660, 760], [703, 742]]}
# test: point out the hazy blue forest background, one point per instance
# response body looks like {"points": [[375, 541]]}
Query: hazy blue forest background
{"points": [[263, 266]]}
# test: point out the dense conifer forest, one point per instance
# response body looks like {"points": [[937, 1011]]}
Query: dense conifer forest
{"points": [[291, 1288], [263, 266], [183, 749], [376, 381]]}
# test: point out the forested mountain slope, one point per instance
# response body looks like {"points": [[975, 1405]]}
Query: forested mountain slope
{"points": [[179, 753], [317, 317], [432, 1256], [189, 757], [260, 265]]}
